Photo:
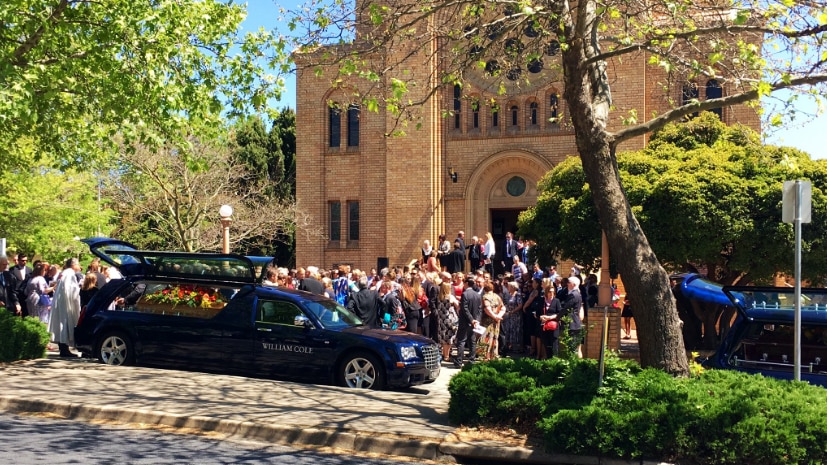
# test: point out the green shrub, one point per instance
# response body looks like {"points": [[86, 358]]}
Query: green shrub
{"points": [[21, 338], [720, 417]]}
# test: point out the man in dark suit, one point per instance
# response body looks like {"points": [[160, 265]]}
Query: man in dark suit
{"points": [[366, 304], [310, 283], [22, 272], [8, 288], [461, 239], [455, 263], [509, 250], [470, 312]]}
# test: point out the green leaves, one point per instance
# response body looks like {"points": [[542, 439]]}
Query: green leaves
{"points": [[143, 68]]}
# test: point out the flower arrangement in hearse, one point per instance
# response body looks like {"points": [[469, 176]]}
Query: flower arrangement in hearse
{"points": [[188, 295]]}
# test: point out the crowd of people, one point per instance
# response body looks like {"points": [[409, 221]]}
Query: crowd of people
{"points": [[51, 293], [450, 294]]}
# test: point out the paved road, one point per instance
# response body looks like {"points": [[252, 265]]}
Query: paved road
{"points": [[30, 440]]}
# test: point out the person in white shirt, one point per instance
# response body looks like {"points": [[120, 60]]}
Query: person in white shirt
{"points": [[488, 252]]}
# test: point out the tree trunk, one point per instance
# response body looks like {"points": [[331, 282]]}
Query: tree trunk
{"points": [[587, 95]]}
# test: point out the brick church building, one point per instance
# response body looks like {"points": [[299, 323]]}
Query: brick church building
{"points": [[472, 163]]}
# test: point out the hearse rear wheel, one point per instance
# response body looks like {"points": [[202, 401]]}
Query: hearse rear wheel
{"points": [[116, 349]]}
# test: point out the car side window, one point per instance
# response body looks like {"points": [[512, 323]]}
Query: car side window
{"points": [[277, 312]]}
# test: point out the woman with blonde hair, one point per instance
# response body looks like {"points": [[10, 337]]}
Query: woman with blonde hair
{"points": [[88, 288], [446, 310]]}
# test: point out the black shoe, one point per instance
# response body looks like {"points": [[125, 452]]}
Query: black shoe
{"points": [[68, 354], [457, 363], [471, 361]]}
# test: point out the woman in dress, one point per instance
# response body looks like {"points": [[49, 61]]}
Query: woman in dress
{"points": [[446, 309], [443, 249], [36, 288], [533, 307], [512, 325], [493, 312]]}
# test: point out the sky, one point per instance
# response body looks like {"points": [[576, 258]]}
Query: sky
{"points": [[808, 136]]}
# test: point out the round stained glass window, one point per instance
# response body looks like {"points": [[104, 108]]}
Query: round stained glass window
{"points": [[515, 186]]}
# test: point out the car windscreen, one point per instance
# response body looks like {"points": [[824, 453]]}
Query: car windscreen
{"points": [[778, 298], [331, 314]]}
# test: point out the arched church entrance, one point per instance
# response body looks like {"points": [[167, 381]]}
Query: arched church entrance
{"points": [[501, 187]]}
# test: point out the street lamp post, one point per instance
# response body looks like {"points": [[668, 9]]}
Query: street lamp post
{"points": [[226, 213]]}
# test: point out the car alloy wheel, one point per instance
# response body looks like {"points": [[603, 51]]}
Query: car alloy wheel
{"points": [[115, 349], [361, 371]]}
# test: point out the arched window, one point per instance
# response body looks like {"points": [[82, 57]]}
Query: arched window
{"points": [[334, 126], [515, 116], [553, 108], [690, 94], [713, 90], [475, 112], [457, 105], [495, 118], [532, 114], [353, 125]]}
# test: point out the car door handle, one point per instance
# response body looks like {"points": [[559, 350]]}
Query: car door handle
{"points": [[265, 329]]}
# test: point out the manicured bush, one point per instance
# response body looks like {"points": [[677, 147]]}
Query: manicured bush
{"points": [[719, 417], [21, 338]]}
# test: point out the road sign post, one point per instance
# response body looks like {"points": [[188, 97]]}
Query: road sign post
{"points": [[797, 209]]}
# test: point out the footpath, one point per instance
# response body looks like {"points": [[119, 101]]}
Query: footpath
{"points": [[411, 423]]}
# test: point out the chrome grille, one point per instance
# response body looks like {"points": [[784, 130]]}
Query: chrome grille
{"points": [[431, 355]]}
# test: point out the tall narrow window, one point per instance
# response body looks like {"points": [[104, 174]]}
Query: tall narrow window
{"points": [[334, 125], [475, 108], [457, 106], [553, 106], [335, 232], [532, 113], [495, 118], [353, 220], [353, 126], [515, 116], [690, 94], [713, 90]]}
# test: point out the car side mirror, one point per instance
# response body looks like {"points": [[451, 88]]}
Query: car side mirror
{"points": [[301, 320]]}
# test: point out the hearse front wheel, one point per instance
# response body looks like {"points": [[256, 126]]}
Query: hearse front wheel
{"points": [[361, 370]]}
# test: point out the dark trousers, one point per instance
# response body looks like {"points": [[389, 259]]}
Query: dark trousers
{"points": [[465, 332], [412, 325], [425, 324]]}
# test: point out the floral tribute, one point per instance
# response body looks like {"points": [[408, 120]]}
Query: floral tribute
{"points": [[189, 295]]}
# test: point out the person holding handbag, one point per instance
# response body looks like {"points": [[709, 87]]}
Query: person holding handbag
{"points": [[550, 333]]}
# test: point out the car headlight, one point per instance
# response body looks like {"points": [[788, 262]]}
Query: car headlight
{"points": [[407, 352]]}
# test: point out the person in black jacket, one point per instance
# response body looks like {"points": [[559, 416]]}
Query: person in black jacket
{"points": [[366, 304], [470, 312], [8, 288], [310, 283]]}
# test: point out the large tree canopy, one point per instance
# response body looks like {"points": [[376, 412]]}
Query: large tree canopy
{"points": [[73, 73], [706, 193], [750, 48]]}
